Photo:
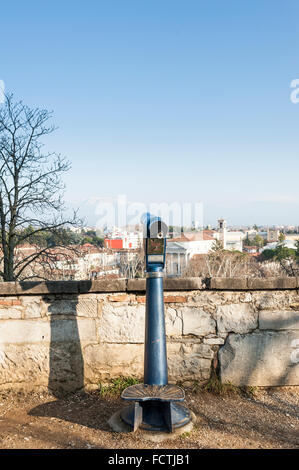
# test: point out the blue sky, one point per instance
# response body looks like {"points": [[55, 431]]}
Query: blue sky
{"points": [[165, 100]]}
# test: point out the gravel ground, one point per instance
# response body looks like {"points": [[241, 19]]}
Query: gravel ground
{"points": [[269, 419]]}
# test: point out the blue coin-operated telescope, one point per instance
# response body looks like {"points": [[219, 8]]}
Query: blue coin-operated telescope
{"points": [[154, 235], [155, 404]]}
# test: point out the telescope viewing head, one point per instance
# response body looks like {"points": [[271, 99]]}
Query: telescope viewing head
{"points": [[154, 234]]}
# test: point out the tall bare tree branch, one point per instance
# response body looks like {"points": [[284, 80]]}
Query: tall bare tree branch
{"points": [[31, 187]]}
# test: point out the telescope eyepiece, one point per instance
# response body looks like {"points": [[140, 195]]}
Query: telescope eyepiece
{"points": [[154, 227]]}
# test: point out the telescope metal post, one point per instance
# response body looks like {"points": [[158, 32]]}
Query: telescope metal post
{"points": [[155, 404], [155, 355]]}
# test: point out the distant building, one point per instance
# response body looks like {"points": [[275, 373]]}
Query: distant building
{"points": [[251, 249], [89, 262], [222, 230], [113, 243], [251, 233], [273, 235], [180, 250], [288, 243], [293, 236], [230, 240], [123, 240]]}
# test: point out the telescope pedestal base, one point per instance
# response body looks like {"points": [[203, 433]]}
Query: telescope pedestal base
{"points": [[155, 415]]}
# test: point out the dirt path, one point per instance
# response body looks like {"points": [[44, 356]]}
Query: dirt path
{"points": [[270, 419]]}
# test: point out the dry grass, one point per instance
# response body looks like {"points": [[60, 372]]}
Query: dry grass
{"points": [[117, 386], [216, 387]]}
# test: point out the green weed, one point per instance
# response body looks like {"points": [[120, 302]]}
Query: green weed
{"points": [[117, 386]]}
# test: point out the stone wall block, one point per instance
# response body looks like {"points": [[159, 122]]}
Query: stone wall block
{"points": [[265, 358], [10, 312], [196, 321], [237, 318], [279, 320], [187, 363], [122, 323], [173, 322], [40, 331], [106, 361]]}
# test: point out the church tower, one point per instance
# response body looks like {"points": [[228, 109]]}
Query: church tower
{"points": [[223, 232]]}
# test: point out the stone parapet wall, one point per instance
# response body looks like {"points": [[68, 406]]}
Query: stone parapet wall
{"points": [[74, 334], [138, 285]]}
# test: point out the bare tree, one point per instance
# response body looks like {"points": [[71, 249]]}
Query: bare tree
{"points": [[131, 263], [224, 263], [31, 188]]}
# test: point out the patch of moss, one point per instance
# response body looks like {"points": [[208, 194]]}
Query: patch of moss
{"points": [[117, 386], [215, 386], [248, 391]]}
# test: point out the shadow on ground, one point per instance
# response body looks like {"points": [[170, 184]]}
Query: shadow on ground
{"points": [[269, 420], [85, 409]]}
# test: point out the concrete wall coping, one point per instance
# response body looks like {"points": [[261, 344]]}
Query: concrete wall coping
{"points": [[138, 285]]}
